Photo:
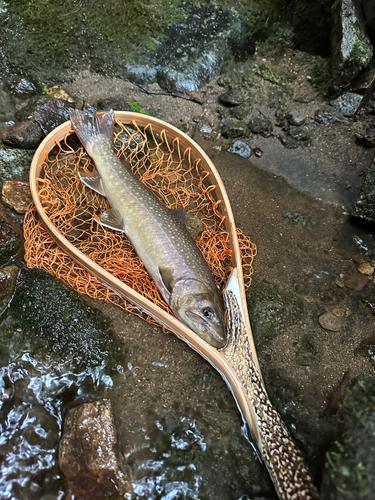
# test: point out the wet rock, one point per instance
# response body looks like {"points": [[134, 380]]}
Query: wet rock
{"points": [[308, 354], [297, 118], [241, 112], [24, 134], [328, 115], [232, 98], [261, 126], [16, 195], [349, 469], [364, 82], [232, 128], [22, 89], [294, 217], [347, 103], [14, 163], [365, 205], [8, 278], [112, 103], [52, 114], [10, 239], [355, 282], [241, 148], [26, 112], [272, 311], [366, 269], [87, 453], [351, 50], [298, 134], [330, 321]]}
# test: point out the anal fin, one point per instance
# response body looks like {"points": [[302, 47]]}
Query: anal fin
{"points": [[112, 219], [93, 181]]}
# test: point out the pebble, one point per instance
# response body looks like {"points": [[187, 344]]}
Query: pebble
{"points": [[348, 103], [355, 282], [241, 148], [330, 321], [296, 117], [241, 112], [25, 134], [22, 88], [341, 313], [261, 126], [232, 98], [16, 195], [232, 128], [327, 115], [366, 269]]}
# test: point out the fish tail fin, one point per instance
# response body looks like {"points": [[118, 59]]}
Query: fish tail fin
{"points": [[89, 128]]}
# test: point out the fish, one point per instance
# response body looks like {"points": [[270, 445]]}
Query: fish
{"points": [[160, 239]]}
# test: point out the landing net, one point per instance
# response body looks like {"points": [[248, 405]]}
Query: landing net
{"points": [[164, 166]]}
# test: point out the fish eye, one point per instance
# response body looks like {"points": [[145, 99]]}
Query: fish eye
{"points": [[208, 312]]}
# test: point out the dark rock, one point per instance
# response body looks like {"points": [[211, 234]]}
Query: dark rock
{"points": [[16, 195], [296, 117], [87, 453], [52, 114], [355, 282], [232, 128], [272, 311], [24, 134], [330, 322], [369, 12], [349, 472], [351, 50], [22, 89], [327, 115], [112, 103], [241, 112], [294, 217], [26, 112], [261, 126], [308, 354], [8, 278], [364, 82], [365, 205], [10, 239], [194, 225], [14, 163], [241, 148], [232, 98], [298, 134], [347, 103]]}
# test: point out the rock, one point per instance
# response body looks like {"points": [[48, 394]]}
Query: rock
{"points": [[87, 453], [330, 321], [308, 354], [26, 113], [112, 103], [296, 118], [17, 195], [364, 82], [241, 112], [355, 282], [10, 238], [241, 148], [347, 103], [365, 205], [369, 12], [14, 163], [341, 313], [232, 98], [294, 217], [298, 134], [261, 126], [194, 225], [24, 134], [232, 128], [351, 50], [8, 278], [329, 116], [349, 471], [366, 269], [22, 89], [60, 93], [52, 114]]}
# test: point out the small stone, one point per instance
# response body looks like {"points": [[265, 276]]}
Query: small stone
{"points": [[365, 205], [341, 313], [298, 134], [294, 217], [22, 89], [340, 282], [330, 322], [347, 103], [261, 126], [8, 278], [194, 225], [327, 115], [87, 453], [25, 134], [59, 93], [296, 118], [241, 148], [308, 298], [16, 195], [231, 128], [366, 269], [232, 98], [355, 282], [112, 103], [241, 112], [52, 114]]}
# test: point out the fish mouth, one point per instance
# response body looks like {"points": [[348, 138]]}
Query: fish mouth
{"points": [[206, 331]]}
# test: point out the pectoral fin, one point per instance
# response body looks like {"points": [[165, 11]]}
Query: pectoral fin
{"points": [[112, 219], [166, 274], [93, 181]]}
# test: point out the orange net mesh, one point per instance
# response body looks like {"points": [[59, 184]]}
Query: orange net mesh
{"points": [[165, 167]]}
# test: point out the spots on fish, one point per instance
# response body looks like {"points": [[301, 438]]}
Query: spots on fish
{"points": [[282, 458]]}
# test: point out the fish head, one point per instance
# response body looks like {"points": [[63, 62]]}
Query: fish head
{"points": [[198, 306]]}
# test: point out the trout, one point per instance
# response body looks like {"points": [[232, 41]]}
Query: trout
{"points": [[160, 239]]}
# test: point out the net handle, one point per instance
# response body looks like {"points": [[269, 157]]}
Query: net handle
{"points": [[213, 356]]}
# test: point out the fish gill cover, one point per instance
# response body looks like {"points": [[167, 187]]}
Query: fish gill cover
{"points": [[168, 169]]}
